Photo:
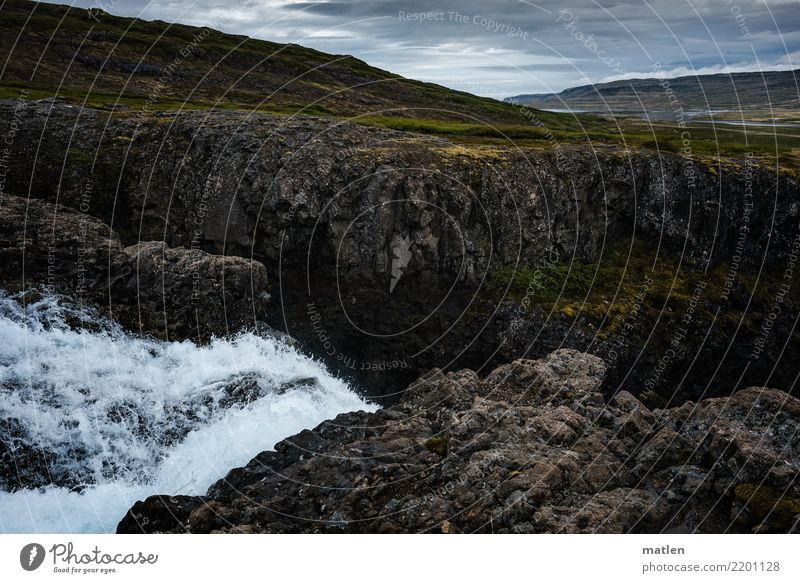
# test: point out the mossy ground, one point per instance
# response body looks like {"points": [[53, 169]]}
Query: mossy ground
{"points": [[634, 277], [768, 504]]}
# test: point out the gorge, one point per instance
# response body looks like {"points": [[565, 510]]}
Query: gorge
{"points": [[275, 290]]}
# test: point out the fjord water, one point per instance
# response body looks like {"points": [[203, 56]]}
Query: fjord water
{"points": [[93, 419]]}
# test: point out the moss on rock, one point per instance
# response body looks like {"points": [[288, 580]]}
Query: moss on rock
{"points": [[768, 504], [438, 445]]}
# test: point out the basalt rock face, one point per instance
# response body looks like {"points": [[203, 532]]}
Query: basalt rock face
{"points": [[188, 292], [382, 243], [532, 448], [281, 187], [148, 287]]}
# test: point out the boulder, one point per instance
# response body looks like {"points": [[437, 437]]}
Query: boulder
{"points": [[149, 288]]}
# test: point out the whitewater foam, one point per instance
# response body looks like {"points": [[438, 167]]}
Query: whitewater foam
{"points": [[117, 417]]}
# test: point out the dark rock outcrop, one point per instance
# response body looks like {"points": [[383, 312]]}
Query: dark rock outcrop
{"points": [[148, 287], [172, 510], [343, 196], [533, 448]]}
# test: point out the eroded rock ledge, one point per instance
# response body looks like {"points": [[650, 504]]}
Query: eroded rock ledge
{"points": [[532, 448], [148, 287]]}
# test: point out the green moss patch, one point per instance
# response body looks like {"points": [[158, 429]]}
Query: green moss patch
{"points": [[768, 504], [438, 445], [632, 281]]}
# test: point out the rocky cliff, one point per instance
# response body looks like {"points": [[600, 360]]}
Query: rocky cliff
{"points": [[532, 448], [389, 253], [237, 182]]}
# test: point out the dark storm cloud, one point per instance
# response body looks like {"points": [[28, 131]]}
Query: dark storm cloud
{"points": [[505, 47]]}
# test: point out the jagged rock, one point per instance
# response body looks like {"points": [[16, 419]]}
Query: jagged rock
{"points": [[238, 181], [460, 455], [637, 420], [162, 513], [189, 292], [147, 287]]}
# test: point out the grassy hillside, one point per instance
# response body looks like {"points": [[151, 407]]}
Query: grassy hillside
{"points": [[107, 59]]}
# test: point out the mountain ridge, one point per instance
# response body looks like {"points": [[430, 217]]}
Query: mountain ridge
{"points": [[778, 89]]}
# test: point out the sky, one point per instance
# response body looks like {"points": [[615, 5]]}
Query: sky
{"points": [[501, 48]]}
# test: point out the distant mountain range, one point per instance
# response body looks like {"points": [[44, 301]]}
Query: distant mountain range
{"points": [[735, 91]]}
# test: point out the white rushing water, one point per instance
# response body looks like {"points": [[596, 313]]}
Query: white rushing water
{"points": [[92, 420]]}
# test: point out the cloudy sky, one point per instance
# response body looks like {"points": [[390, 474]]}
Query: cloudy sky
{"points": [[500, 48]]}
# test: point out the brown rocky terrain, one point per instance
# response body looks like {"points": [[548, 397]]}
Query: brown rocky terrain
{"points": [[532, 448]]}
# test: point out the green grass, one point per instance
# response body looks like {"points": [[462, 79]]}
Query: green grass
{"points": [[246, 71], [453, 128], [767, 503], [705, 145], [107, 101]]}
